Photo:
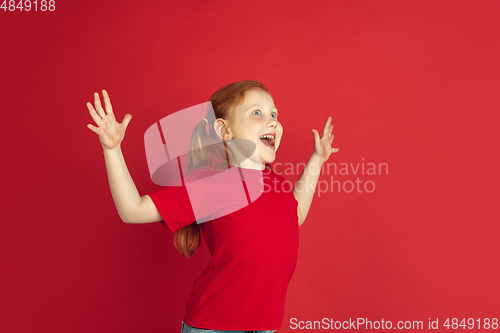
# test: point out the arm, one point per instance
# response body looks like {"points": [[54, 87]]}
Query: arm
{"points": [[131, 207], [306, 185]]}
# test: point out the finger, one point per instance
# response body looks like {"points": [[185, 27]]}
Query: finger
{"points": [[331, 138], [94, 114], [107, 102], [93, 128], [126, 120], [335, 150], [327, 126], [315, 134], [98, 105]]}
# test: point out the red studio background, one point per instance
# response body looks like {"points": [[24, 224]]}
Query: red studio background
{"points": [[412, 84]]}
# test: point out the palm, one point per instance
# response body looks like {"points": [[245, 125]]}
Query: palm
{"points": [[110, 132], [323, 146]]}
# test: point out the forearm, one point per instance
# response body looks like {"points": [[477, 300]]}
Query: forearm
{"points": [[123, 190], [306, 185]]}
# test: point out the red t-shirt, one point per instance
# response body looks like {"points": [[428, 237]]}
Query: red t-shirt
{"points": [[254, 253]]}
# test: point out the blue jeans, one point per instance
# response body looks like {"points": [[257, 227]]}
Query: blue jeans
{"points": [[189, 329]]}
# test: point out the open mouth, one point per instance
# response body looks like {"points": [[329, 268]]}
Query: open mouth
{"points": [[268, 140]]}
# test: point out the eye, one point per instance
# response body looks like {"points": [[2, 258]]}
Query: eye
{"points": [[274, 113]]}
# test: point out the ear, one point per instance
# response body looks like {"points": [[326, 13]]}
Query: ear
{"points": [[222, 129]]}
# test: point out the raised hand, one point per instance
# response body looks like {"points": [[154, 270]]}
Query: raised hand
{"points": [[111, 133], [323, 146]]}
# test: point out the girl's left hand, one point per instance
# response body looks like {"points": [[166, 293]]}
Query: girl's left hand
{"points": [[323, 146]]}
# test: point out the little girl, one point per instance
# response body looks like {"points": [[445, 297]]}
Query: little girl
{"points": [[254, 249]]}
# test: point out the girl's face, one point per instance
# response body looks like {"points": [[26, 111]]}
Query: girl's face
{"points": [[256, 117]]}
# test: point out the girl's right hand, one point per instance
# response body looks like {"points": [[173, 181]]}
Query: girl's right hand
{"points": [[110, 132]]}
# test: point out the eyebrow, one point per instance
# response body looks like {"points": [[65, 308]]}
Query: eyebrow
{"points": [[260, 106]]}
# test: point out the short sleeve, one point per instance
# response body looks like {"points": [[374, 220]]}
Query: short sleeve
{"points": [[174, 206]]}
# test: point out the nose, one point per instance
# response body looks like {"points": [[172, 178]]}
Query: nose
{"points": [[272, 122]]}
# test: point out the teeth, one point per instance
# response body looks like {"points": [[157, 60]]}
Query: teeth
{"points": [[267, 137]]}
